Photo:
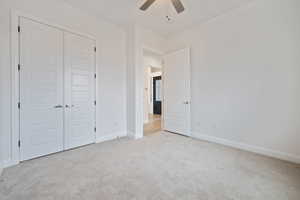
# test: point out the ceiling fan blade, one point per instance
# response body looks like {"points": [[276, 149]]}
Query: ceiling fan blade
{"points": [[147, 4], [178, 6]]}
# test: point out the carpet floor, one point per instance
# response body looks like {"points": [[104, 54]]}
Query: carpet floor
{"points": [[161, 166]]}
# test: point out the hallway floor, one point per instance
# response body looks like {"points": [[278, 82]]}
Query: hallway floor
{"points": [[153, 126], [159, 166]]}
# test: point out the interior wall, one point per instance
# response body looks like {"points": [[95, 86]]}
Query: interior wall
{"points": [[111, 60], [131, 80], [1, 152], [1, 121], [138, 40], [245, 78]]}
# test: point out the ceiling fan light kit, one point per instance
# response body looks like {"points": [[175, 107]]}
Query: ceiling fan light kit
{"points": [[176, 3]]}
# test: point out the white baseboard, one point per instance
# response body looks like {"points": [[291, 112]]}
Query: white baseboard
{"points": [[251, 148], [10, 163], [130, 134], [111, 136], [137, 137], [1, 168]]}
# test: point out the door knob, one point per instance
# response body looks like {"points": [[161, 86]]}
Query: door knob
{"points": [[67, 106], [58, 106], [186, 102]]}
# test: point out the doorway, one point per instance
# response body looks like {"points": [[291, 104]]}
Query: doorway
{"points": [[152, 93], [167, 92]]}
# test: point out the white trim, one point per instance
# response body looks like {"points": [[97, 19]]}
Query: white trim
{"points": [[1, 168], [14, 151], [154, 74], [131, 134], [111, 137], [255, 149], [10, 163], [18, 13]]}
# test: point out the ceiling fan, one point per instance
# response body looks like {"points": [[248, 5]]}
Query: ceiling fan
{"points": [[176, 3]]}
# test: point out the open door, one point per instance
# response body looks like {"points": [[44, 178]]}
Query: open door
{"points": [[177, 92]]}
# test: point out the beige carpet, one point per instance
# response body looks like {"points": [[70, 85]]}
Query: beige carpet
{"points": [[159, 166]]}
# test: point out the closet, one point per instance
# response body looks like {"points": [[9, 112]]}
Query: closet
{"points": [[57, 89]]}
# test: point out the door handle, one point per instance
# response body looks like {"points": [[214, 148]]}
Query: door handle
{"points": [[58, 106], [186, 102], [67, 106]]}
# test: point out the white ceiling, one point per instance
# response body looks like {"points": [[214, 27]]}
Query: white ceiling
{"points": [[124, 12]]}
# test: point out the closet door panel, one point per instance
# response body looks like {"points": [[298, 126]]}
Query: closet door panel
{"points": [[79, 90], [41, 89]]}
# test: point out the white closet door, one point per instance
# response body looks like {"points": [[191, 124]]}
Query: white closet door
{"points": [[41, 89], [79, 90], [177, 92]]}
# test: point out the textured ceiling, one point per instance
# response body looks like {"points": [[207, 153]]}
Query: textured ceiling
{"points": [[124, 12]]}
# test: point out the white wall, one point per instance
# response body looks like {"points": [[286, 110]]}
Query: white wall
{"points": [[111, 56], [1, 152], [131, 80], [152, 61], [139, 39], [1, 116], [246, 78]]}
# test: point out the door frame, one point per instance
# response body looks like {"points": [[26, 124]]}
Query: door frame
{"points": [[139, 94], [14, 150]]}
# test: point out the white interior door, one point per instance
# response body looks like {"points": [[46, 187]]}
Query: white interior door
{"points": [[79, 90], [176, 102], [41, 89]]}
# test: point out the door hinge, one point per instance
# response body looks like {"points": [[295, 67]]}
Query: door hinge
{"points": [[95, 75], [19, 143], [95, 49], [19, 67], [19, 29], [95, 129], [95, 102], [19, 105]]}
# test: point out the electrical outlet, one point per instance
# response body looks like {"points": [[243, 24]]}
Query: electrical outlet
{"points": [[115, 124]]}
